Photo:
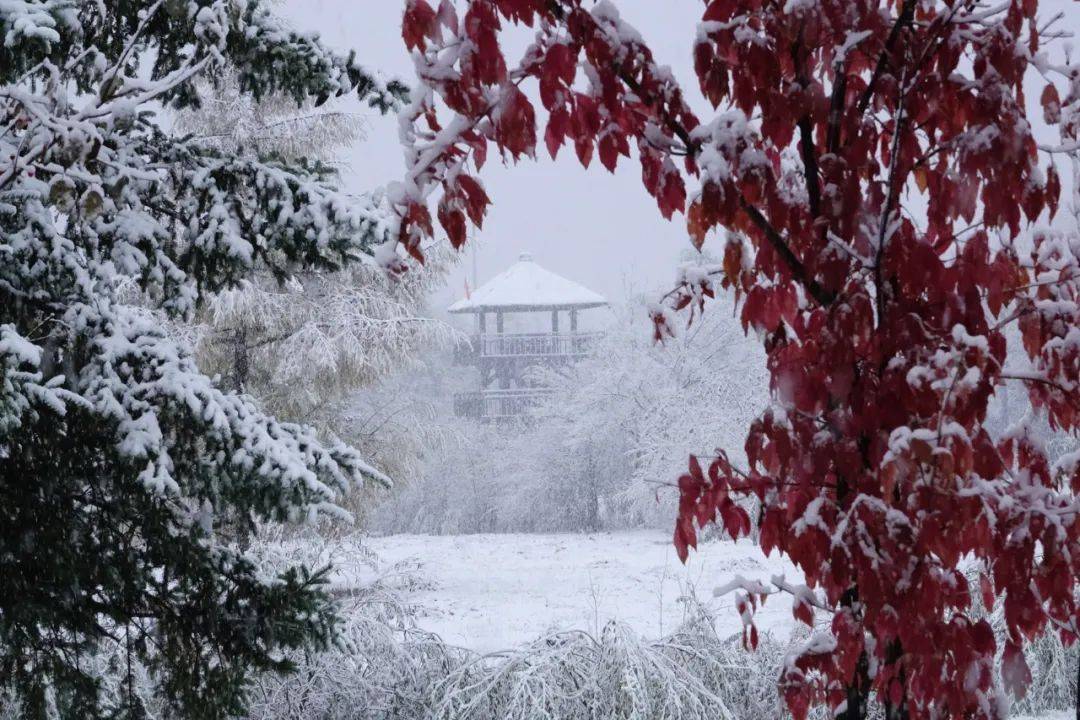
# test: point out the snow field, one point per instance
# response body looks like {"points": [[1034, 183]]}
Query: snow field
{"points": [[495, 592]]}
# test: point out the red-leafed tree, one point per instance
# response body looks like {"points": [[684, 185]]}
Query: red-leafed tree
{"points": [[872, 168]]}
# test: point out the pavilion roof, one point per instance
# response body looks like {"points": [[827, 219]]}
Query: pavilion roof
{"points": [[526, 286]]}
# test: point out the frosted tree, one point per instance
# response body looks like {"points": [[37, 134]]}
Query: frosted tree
{"points": [[234, 121], [119, 459], [601, 449], [300, 346], [619, 424]]}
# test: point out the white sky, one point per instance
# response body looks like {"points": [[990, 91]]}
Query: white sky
{"points": [[602, 231]]}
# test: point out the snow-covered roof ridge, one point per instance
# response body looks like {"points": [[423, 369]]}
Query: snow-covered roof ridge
{"points": [[527, 286]]}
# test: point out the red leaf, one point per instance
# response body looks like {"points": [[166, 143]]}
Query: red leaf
{"points": [[712, 73], [609, 151], [476, 199], [987, 589], [448, 15], [559, 65], [770, 532], [803, 611], [481, 26], [453, 221], [1051, 104], [896, 692], [415, 225], [1053, 189], [697, 225], [417, 24], [1015, 673], [695, 470], [584, 125], [983, 638], [515, 126], [557, 127], [672, 195], [414, 250], [685, 538], [680, 545], [584, 149], [797, 699]]}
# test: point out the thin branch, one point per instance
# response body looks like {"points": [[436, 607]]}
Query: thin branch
{"points": [[807, 148], [798, 270], [907, 11], [104, 89], [1022, 376]]}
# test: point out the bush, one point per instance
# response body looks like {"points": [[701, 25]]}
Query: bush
{"points": [[387, 669], [383, 668]]}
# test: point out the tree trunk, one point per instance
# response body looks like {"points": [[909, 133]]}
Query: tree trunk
{"points": [[592, 497], [898, 711], [239, 529], [240, 360], [858, 692], [594, 508]]}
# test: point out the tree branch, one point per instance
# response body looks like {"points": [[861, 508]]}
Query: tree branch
{"points": [[807, 149], [1010, 374], [836, 107], [798, 270], [692, 146], [907, 12], [796, 266]]}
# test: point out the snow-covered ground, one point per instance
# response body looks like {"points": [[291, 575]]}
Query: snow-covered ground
{"points": [[493, 592]]}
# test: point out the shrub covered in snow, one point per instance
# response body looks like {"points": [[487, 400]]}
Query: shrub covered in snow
{"points": [[382, 667]]}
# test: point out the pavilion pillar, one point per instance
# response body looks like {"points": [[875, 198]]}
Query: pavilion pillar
{"points": [[503, 369], [573, 321], [554, 321], [483, 321]]}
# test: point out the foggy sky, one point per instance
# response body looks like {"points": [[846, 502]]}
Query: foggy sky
{"points": [[601, 230]]}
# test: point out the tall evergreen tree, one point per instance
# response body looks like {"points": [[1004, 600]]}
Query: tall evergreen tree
{"points": [[118, 458]]}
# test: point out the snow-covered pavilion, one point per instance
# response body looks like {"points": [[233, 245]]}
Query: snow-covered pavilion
{"points": [[503, 357]]}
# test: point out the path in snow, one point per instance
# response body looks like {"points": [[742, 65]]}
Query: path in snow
{"points": [[493, 592]]}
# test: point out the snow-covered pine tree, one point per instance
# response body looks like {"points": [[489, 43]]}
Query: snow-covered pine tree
{"points": [[118, 458]]}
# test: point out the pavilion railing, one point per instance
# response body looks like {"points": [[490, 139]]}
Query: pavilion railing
{"points": [[538, 345], [497, 404]]}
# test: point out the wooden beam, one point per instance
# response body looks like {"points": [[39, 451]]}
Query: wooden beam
{"points": [[554, 321]]}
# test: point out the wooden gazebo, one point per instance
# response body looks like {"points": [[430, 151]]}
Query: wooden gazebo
{"points": [[502, 357]]}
